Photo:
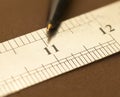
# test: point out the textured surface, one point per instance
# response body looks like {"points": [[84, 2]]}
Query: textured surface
{"points": [[100, 79]]}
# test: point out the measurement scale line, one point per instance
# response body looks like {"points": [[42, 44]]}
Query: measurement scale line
{"points": [[54, 68], [38, 73], [14, 81], [21, 40], [76, 59], [4, 88], [116, 47], [4, 47], [114, 39], [104, 48], [20, 83], [45, 69], [89, 53], [67, 65], [12, 48], [112, 47], [88, 49], [28, 72], [33, 42], [33, 37], [109, 48], [42, 39], [16, 43], [58, 62], [68, 61], [51, 71], [45, 75]]}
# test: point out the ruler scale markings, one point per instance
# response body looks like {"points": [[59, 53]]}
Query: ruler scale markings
{"points": [[91, 52], [10, 84], [46, 71], [63, 26], [38, 71], [29, 73], [4, 46], [41, 34], [117, 46], [33, 37], [94, 54], [39, 74], [52, 71], [96, 50], [114, 39], [60, 68], [72, 63], [102, 53], [43, 74], [55, 67], [114, 47], [59, 64], [83, 58], [3, 88], [30, 37], [18, 82], [12, 47], [89, 55], [43, 40], [21, 39], [2, 49], [110, 48], [104, 49], [26, 79], [18, 41], [35, 77], [13, 43], [14, 83], [68, 65], [7, 86], [77, 64], [25, 40]]}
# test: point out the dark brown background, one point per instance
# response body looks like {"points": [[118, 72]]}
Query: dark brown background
{"points": [[100, 79]]}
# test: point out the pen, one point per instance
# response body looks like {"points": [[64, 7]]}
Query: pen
{"points": [[57, 11]]}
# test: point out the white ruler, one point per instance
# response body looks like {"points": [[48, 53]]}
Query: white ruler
{"points": [[29, 59]]}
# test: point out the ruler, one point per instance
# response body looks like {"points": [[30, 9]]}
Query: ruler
{"points": [[29, 59]]}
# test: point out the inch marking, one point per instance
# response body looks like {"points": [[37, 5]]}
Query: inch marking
{"points": [[108, 28], [50, 52]]}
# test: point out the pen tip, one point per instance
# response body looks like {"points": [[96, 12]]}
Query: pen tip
{"points": [[49, 27]]}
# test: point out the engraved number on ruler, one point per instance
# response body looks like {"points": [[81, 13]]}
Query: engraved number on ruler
{"points": [[108, 28], [49, 52]]}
